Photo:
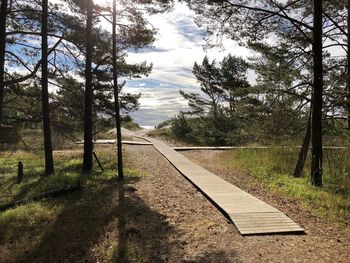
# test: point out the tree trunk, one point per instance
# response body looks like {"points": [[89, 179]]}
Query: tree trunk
{"points": [[88, 145], [49, 166], [348, 69], [232, 104], [116, 95], [3, 14], [304, 150], [316, 128]]}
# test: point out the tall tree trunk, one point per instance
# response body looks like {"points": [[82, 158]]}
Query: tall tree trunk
{"points": [[3, 15], [304, 149], [116, 94], [49, 166], [348, 65], [88, 145], [316, 129]]}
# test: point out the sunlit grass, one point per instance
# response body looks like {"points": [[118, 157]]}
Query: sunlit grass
{"points": [[13, 221], [274, 168], [34, 183], [68, 173]]}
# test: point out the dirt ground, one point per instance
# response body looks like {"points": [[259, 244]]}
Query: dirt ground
{"points": [[161, 217], [193, 230]]}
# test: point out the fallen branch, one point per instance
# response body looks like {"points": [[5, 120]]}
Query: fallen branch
{"points": [[52, 194]]}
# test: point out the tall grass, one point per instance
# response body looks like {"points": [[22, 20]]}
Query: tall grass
{"points": [[274, 168]]}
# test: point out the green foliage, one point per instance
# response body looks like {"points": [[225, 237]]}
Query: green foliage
{"points": [[181, 128], [130, 124], [337, 170], [162, 132], [164, 124], [22, 100], [206, 130], [220, 106]]}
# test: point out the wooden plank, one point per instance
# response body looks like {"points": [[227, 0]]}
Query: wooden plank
{"points": [[223, 148], [102, 142], [280, 228], [257, 215], [249, 214], [270, 231]]}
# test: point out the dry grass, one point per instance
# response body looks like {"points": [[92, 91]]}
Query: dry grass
{"points": [[274, 167]]}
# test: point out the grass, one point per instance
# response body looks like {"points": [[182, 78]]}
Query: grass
{"points": [[131, 125], [161, 132], [67, 165], [34, 226], [67, 174], [274, 167]]}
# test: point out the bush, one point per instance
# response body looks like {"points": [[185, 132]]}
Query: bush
{"points": [[215, 130], [181, 128], [129, 123]]}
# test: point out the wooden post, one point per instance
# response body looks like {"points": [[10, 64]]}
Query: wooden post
{"points": [[20, 172]]}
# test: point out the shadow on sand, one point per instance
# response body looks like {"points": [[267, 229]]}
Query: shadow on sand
{"points": [[108, 223]]}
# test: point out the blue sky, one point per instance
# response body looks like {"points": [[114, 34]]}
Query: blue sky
{"points": [[179, 44]]}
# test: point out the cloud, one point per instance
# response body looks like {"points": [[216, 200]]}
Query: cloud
{"points": [[178, 46], [152, 50], [159, 100]]}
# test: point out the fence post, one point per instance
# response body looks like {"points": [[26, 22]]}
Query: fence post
{"points": [[20, 172]]}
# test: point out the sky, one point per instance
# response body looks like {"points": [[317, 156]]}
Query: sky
{"points": [[178, 46]]}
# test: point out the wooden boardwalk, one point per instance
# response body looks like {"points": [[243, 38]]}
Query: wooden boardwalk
{"points": [[221, 148], [198, 148], [102, 142], [249, 214]]}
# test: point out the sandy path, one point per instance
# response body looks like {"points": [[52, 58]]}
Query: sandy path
{"points": [[198, 232]]}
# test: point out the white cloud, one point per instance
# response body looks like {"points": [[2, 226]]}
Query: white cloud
{"points": [[179, 44], [158, 102]]}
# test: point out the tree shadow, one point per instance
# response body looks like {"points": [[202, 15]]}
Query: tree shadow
{"points": [[35, 183], [143, 234], [107, 222], [217, 256], [121, 253], [89, 217]]}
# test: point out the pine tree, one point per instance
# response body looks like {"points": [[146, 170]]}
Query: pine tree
{"points": [[3, 16], [251, 21], [316, 120], [88, 102], [116, 93], [49, 166]]}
